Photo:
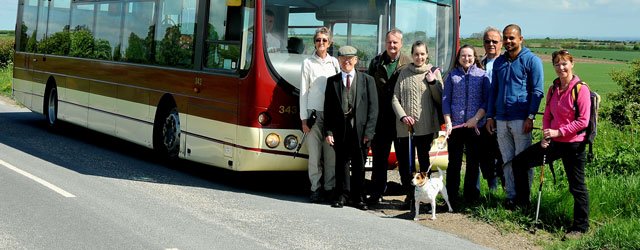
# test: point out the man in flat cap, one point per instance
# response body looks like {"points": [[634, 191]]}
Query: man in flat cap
{"points": [[351, 112]]}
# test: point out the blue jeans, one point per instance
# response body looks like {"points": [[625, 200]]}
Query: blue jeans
{"points": [[512, 141]]}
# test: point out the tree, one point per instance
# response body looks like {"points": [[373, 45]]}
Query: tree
{"points": [[625, 108]]}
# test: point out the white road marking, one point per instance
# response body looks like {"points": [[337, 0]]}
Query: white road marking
{"points": [[38, 180]]}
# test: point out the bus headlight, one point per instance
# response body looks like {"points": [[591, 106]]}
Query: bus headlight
{"points": [[272, 140], [291, 142]]}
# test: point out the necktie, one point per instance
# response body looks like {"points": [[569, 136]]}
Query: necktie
{"points": [[348, 82]]}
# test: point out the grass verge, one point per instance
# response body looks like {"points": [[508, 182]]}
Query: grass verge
{"points": [[5, 80]]}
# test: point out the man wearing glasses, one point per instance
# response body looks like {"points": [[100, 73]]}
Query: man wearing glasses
{"points": [[351, 112], [513, 102], [383, 68], [491, 164]]}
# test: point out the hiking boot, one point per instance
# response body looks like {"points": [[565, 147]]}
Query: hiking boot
{"points": [[509, 204], [573, 235]]}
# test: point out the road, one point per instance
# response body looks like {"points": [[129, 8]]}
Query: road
{"points": [[77, 189]]}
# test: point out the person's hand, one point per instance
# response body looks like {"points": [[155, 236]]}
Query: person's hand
{"points": [[490, 126], [545, 143], [527, 126], [329, 139], [365, 140], [471, 123], [448, 128], [551, 133], [408, 120], [305, 128], [430, 76]]}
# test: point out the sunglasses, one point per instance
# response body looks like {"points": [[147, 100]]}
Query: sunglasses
{"points": [[559, 52], [491, 42], [323, 40]]}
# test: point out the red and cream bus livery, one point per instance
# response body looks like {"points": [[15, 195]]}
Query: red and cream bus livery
{"points": [[214, 81]]}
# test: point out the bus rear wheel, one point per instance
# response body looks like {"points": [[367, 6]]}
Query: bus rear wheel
{"points": [[51, 110], [166, 136]]}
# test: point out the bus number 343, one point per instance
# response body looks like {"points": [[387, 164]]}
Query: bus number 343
{"points": [[288, 110]]}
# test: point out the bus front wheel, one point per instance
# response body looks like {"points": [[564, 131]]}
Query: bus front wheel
{"points": [[166, 137]]}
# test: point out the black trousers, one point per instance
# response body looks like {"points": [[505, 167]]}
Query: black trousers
{"points": [[490, 157], [459, 140], [573, 158], [380, 148], [350, 152], [421, 145]]}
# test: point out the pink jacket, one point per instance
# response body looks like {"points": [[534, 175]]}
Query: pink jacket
{"points": [[560, 112]]}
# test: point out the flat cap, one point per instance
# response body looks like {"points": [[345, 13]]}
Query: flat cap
{"points": [[347, 51]]}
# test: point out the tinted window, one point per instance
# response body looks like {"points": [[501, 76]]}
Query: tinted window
{"points": [[107, 30], [175, 33], [139, 29]]}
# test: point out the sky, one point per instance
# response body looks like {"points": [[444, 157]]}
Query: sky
{"points": [[591, 19]]}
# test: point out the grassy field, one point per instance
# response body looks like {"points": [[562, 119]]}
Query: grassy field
{"points": [[596, 75], [620, 56]]}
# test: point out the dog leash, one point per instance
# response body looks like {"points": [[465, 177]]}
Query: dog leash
{"points": [[465, 125], [446, 137]]}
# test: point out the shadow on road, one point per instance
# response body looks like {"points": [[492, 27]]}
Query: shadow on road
{"points": [[92, 153]]}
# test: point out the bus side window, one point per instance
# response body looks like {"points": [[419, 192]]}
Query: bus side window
{"points": [[224, 33], [174, 36]]}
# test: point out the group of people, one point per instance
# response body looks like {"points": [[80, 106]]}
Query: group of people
{"points": [[488, 106]]}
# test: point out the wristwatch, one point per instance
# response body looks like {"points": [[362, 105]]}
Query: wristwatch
{"points": [[531, 117]]}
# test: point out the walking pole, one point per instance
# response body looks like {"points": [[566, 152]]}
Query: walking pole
{"points": [[304, 135], [411, 157], [544, 159]]}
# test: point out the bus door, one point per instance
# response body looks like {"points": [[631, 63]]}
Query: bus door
{"points": [[213, 110]]}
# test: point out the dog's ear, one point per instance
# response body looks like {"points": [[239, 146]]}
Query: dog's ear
{"points": [[423, 175]]}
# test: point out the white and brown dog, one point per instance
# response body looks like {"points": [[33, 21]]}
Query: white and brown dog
{"points": [[426, 191]]}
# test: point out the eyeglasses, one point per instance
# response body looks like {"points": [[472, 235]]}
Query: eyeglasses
{"points": [[491, 42], [323, 40]]}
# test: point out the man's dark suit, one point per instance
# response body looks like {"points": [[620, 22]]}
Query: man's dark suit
{"points": [[348, 139]]}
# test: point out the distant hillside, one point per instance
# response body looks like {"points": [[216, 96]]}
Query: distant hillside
{"points": [[591, 49], [572, 43]]}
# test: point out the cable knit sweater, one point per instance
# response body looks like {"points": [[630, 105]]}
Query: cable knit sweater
{"points": [[415, 97]]}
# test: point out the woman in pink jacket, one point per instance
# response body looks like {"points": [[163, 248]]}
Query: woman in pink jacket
{"points": [[564, 125]]}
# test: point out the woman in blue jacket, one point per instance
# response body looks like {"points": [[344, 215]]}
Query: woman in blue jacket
{"points": [[464, 102]]}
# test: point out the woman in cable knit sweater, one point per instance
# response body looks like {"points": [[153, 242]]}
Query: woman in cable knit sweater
{"points": [[418, 89], [464, 102]]}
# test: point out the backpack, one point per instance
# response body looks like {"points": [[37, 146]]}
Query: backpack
{"points": [[592, 127]]}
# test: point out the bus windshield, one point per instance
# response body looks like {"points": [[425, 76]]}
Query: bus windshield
{"points": [[289, 27]]}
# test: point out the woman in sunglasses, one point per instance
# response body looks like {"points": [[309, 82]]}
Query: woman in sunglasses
{"points": [[566, 116], [315, 71]]}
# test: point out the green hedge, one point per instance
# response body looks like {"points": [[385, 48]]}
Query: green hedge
{"points": [[6, 53]]}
